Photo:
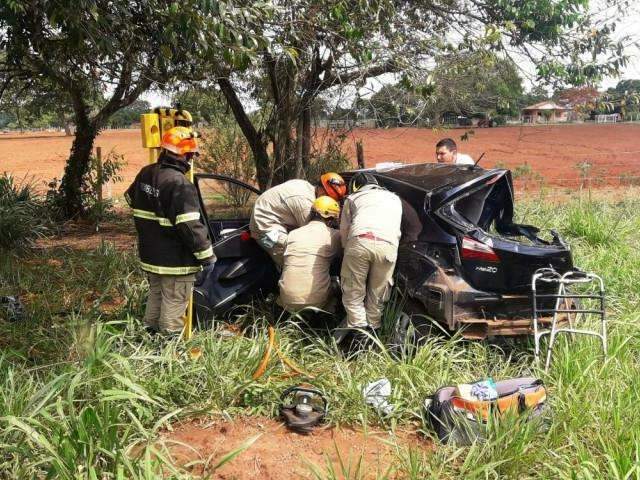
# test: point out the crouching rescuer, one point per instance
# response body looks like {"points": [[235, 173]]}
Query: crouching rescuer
{"points": [[305, 280], [172, 241], [288, 206], [370, 233]]}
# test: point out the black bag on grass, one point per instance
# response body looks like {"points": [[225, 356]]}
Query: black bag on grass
{"points": [[461, 421]]}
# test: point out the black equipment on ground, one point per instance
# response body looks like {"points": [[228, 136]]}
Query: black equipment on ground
{"points": [[462, 421], [13, 307], [302, 408]]}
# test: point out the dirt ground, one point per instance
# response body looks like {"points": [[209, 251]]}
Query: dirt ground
{"points": [[81, 235], [281, 454], [551, 151]]}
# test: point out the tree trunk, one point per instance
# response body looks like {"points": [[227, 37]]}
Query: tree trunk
{"points": [[299, 141], [284, 156], [360, 154], [254, 138], [263, 168], [62, 119], [77, 167], [19, 120], [306, 138]]}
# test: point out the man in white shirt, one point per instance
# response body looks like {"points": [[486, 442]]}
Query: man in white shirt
{"points": [[447, 152]]}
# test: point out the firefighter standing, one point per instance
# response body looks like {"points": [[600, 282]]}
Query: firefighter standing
{"points": [[286, 207], [370, 233], [305, 280], [173, 243]]}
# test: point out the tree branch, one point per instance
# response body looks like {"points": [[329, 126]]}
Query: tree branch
{"points": [[253, 136], [273, 78], [335, 78]]}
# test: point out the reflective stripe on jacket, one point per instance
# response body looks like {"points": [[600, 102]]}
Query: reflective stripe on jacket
{"points": [[172, 239]]}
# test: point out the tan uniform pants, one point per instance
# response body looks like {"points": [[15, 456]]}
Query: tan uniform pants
{"points": [[328, 306], [367, 277], [167, 301]]}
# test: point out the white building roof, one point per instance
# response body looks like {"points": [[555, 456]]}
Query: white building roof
{"points": [[546, 105]]}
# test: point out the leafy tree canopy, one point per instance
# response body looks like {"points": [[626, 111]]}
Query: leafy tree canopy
{"points": [[205, 103], [318, 46], [623, 98], [82, 50]]}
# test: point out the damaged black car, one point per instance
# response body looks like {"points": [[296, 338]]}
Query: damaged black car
{"points": [[462, 261]]}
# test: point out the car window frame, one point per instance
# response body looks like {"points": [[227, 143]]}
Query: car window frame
{"points": [[213, 176]]}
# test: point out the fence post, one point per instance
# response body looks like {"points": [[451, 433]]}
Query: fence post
{"points": [[99, 172], [360, 154], [99, 182]]}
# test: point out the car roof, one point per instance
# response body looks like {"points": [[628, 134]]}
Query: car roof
{"points": [[431, 176]]}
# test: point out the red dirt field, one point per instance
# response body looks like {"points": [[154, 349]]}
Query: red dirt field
{"points": [[281, 454], [551, 151]]}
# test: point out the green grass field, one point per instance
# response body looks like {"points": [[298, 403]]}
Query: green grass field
{"points": [[83, 393]]}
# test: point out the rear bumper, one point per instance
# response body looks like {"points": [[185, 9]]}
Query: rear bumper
{"points": [[451, 301], [480, 328]]}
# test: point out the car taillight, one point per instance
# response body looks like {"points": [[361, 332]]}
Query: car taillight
{"points": [[474, 250]]}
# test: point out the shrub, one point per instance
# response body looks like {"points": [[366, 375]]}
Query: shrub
{"points": [[95, 209], [499, 120], [99, 209], [522, 170], [22, 216], [330, 158], [225, 152]]}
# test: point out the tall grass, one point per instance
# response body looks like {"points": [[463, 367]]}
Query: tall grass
{"points": [[84, 392], [22, 213]]}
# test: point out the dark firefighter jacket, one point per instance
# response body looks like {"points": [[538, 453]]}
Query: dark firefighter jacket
{"points": [[171, 238]]}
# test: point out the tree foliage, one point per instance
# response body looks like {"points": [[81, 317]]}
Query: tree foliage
{"points": [[130, 114], [624, 98], [462, 84], [205, 103], [82, 50], [336, 46], [26, 105]]}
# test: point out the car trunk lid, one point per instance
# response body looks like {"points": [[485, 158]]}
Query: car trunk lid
{"points": [[495, 254]]}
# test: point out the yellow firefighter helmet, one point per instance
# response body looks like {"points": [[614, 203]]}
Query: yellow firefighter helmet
{"points": [[326, 207]]}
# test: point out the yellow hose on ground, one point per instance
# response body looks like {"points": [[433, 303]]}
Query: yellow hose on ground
{"points": [[262, 367], [267, 355], [289, 363]]}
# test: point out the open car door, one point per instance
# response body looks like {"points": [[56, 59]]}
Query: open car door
{"points": [[242, 269]]}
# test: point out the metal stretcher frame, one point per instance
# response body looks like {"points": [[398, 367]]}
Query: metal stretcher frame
{"points": [[563, 300]]}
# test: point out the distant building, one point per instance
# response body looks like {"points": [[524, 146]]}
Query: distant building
{"points": [[546, 112], [346, 123]]}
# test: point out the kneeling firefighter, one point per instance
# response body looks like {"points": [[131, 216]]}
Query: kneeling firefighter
{"points": [[305, 280], [370, 233], [173, 243]]}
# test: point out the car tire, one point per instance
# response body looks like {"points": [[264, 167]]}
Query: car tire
{"points": [[403, 340]]}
